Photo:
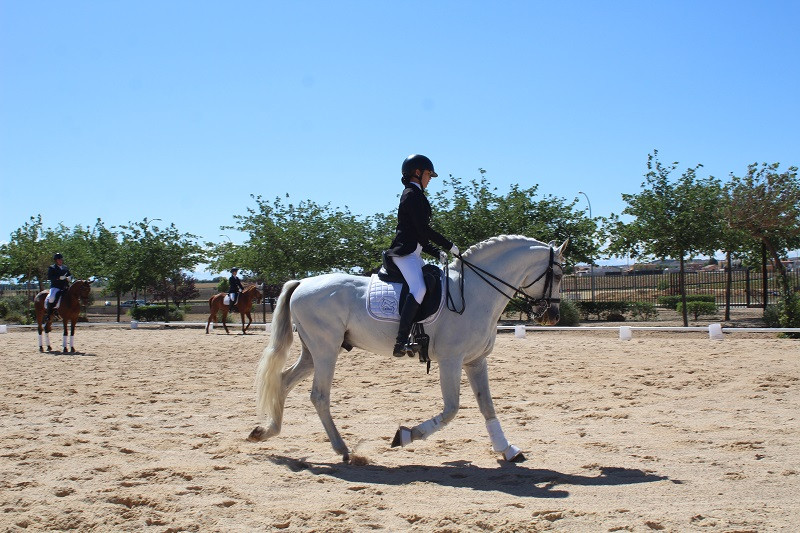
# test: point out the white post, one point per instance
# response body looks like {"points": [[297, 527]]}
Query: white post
{"points": [[625, 333], [715, 332], [519, 332]]}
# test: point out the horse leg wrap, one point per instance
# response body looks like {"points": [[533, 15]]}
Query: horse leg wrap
{"points": [[430, 426], [71, 342], [499, 441], [40, 340]]}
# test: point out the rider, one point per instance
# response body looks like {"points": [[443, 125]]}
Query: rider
{"points": [[59, 276], [413, 237], [234, 287]]}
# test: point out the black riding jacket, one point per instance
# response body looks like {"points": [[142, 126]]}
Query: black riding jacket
{"points": [[235, 284], [413, 225], [54, 272]]}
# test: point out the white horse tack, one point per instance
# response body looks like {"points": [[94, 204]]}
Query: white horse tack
{"points": [[329, 311]]}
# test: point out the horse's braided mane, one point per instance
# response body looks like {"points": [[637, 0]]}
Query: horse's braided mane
{"points": [[500, 238]]}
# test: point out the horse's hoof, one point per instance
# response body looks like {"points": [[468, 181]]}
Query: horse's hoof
{"points": [[72, 350], [402, 437], [346, 458], [41, 349], [257, 435], [512, 454]]}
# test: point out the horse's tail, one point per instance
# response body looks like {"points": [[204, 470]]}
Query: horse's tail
{"points": [[268, 374]]}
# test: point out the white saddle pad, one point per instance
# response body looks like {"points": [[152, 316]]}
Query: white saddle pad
{"points": [[226, 300], [384, 301]]}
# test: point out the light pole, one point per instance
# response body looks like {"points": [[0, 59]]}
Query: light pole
{"points": [[591, 260]]}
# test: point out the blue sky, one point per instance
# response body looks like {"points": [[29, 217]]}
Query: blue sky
{"points": [[180, 110]]}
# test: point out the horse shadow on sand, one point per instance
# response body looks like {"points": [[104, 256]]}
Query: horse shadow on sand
{"points": [[69, 354], [509, 478]]}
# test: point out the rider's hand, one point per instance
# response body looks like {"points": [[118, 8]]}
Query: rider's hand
{"points": [[454, 250], [442, 256], [63, 277]]}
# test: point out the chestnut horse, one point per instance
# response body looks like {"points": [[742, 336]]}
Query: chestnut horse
{"points": [[246, 299], [68, 309]]}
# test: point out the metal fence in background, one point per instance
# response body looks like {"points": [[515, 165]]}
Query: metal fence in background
{"points": [[746, 287]]}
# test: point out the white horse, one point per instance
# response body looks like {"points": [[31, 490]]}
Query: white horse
{"points": [[329, 311]]}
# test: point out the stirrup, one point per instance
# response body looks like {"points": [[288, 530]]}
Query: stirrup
{"points": [[401, 349]]}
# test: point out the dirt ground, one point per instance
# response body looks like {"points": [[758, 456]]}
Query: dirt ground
{"points": [[146, 430]]}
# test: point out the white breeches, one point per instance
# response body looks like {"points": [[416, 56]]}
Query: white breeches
{"points": [[52, 296], [411, 267]]}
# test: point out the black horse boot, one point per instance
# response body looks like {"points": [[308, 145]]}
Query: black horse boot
{"points": [[407, 316]]}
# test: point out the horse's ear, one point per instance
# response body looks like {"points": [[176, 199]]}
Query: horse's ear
{"points": [[562, 248]]}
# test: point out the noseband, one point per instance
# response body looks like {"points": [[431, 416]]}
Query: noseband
{"points": [[542, 302]]}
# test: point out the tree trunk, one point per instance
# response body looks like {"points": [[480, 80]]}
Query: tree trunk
{"points": [[682, 285], [728, 286]]}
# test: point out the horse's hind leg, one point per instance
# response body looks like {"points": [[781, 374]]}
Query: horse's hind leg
{"points": [[478, 374], [289, 378], [321, 398], [225, 318]]}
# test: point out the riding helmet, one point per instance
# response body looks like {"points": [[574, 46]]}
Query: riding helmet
{"points": [[417, 162], [234, 269], [57, 256]]}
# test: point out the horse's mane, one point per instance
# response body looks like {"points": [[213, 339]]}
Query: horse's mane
{"points": [[494, 240]]}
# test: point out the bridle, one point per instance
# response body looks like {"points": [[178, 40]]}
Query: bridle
{"points": [[542, 302]]}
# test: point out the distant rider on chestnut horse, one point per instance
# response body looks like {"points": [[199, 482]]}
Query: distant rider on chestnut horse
{"points": [[59, 276], [234, 288]]}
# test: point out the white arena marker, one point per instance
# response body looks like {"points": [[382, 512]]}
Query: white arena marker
{"points": [[519, 332], [625, 333], [715, 332], [3, 328], [134, 324]]}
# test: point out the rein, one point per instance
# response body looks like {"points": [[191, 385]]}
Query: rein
{"points": [[547, 293]]}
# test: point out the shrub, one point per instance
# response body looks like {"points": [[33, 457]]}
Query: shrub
{"points": [[784, 314], [672, 302], [642, 311], [569, 314], [16, 309], [698, 308], [601, 309], [155, 313]]}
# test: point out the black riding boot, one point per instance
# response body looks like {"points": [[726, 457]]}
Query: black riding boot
{"points": [[407, 316], [49, 309]]}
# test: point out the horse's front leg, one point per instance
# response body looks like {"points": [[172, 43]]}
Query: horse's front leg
{"points": [[450, 382], [249, 321], [72, 335], [478, 374]]}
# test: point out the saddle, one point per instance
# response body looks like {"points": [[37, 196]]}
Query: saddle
{"points": [[432, 274], [387, 294]]}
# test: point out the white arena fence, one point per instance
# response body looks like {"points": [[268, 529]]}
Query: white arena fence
{"points": [[715, 331]]}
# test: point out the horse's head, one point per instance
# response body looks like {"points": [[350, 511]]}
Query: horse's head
{"points": [[544, 288], [83, 288], [258, 296]]}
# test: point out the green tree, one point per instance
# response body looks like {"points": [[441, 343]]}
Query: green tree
{"points": [[765, 203], [290, 241], [472, 212], [671, 219]]}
